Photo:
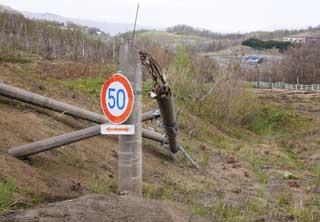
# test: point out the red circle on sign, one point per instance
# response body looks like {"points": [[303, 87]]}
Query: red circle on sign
{"points": [[117, 77]]}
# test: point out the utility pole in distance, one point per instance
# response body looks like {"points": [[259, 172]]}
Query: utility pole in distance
{"points": [[130, 146]]}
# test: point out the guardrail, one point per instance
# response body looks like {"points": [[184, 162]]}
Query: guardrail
{"points": [[282, 85]]}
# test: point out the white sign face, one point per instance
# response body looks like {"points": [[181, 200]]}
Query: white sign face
{"points": [[117, 99], [108, 129]]}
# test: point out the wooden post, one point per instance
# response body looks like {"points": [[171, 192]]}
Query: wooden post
{"points": [[130, 146]]}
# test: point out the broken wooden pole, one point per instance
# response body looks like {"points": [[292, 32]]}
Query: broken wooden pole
{"points": [[130, 146], [55, 105]]}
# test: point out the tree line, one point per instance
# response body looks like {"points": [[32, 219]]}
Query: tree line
{"points": [[300, 65], [53, 40]]}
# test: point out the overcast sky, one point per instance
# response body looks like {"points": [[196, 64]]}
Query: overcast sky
{"points": [[216, 15]]}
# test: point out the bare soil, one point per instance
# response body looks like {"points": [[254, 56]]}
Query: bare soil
{"points": [[103, 208]]}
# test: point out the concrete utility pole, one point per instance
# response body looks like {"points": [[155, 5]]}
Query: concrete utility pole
{"points": [[130, 146]]}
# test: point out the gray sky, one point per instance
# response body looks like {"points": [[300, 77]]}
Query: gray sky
{"points": [[216, 15]]}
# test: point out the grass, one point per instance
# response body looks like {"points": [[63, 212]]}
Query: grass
{"points": [[170, 37], [89, 85], [100, 186], [13, 59], [7, 190], [204, 159], [317, 170], [271, 121]]}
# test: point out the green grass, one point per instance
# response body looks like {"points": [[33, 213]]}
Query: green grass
{"points": [[100, 186], [273, 121], [146, 87], [7, 189], [13, 59], [90, 85], [204, 159], [170, 37]]}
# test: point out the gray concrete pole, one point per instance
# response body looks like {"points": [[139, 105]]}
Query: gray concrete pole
{"points": [[67, 138], [53, 142], [55, 105], [169, 120], [130, 146]]}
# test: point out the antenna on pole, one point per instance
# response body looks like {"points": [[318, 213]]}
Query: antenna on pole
{"points": [[135, 24]]}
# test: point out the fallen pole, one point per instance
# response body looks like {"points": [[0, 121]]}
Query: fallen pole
{"points": [[45, 102], [53, 142], [68, 138], [55, 105]]}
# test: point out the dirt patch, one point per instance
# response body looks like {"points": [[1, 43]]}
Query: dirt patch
{"points": [[103, 208]]}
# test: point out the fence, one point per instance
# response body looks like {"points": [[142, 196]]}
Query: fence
{"points": [[287, 86]]}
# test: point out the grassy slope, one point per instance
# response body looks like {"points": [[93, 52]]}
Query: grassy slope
{"points": [[241, 175], [171, 39]]}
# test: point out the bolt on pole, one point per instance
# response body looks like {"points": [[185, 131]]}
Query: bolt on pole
{"points": [[130, 146]]}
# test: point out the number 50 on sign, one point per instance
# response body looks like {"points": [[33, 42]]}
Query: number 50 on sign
{"points": [[117, 100]]}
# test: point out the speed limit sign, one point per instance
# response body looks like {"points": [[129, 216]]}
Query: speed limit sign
{"points": [[117, 100]]}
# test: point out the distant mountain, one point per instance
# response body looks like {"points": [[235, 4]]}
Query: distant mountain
{"points": [[107, 27], [8, 9]]}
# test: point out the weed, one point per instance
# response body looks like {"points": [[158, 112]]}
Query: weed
{"points": [[7, 189], [317, 169], [146, 87], [263, 178], [204, 159], [13, 59], [99, 185], [272, 121], [283, 200], [90, 85], [149, 191]]}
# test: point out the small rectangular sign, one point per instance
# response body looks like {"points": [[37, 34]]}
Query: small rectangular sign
{"points": [[110, 129]]}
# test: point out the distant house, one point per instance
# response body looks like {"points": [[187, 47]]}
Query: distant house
{"points": [[295, 39], [301, 39], [253, 60]]}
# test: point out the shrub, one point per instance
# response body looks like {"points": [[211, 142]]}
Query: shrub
{"points": [[260, 44], [213, 94], [300, 65]]}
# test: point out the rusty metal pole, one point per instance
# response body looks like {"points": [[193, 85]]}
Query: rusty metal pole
{"points": [[130, 146]]}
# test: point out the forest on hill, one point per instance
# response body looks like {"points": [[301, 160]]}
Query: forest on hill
{"points": [[53, 39]]}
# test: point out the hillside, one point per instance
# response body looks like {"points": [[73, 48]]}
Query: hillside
{"points": [[257, 150], [242, 172]]}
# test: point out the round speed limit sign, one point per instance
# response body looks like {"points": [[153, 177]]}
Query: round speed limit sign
{"points": [[117, 98]]}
